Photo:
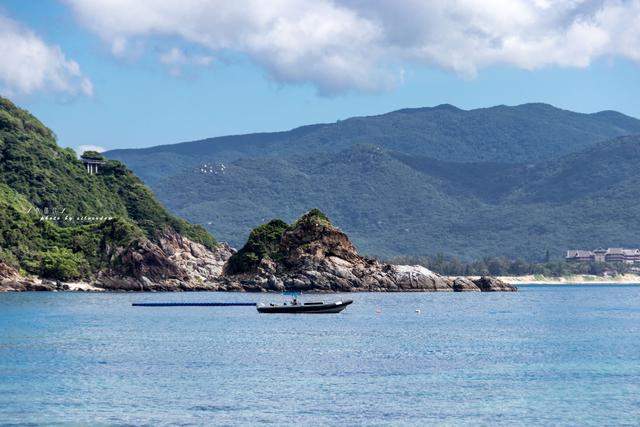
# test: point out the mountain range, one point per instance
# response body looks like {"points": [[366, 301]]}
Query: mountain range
{"points": [[500, 181]]}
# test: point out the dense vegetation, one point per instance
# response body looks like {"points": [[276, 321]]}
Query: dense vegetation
{"points": [[264, 242], [501, 266], [58, 221], [502, 181], [525, 133], [390, 206]]}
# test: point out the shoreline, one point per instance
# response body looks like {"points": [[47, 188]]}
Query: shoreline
{"points": [[586, 279], [580, 279]]}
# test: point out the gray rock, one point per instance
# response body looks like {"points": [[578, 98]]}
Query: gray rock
{"points": [[491, 284], [464, 284]]}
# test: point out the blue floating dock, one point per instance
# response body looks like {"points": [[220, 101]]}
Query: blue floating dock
{"points": [[194, 304]]}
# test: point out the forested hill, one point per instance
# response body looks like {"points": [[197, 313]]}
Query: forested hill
{"points": [[535, 178], [523, 133], [57, 220]]}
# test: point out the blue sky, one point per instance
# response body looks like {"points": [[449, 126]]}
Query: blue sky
{"points": [[145, 95]]}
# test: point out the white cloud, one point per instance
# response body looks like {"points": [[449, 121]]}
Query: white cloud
{"points": [[82, 148], [295, 41], [28, 64], [176, 58], [362, 45], [173, 56]]}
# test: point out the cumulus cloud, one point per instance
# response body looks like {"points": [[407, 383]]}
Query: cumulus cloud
{"points": [[28, 64], [295, 41], [361, 45]]}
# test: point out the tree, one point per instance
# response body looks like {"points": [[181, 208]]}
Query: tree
{"points": [[62, 264]]}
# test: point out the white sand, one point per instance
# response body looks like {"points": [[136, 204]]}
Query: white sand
{"points": [[572, 280], [82, 286]]}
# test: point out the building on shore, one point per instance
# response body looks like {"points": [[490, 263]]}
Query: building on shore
{"points": [[631, 256]]}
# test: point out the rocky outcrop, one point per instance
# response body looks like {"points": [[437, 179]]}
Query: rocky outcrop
{"points": [[309, 256], [491, 284], [174, 263], [11, 280], [7, 272], [314, 256], [418, 278], [464, 284]]}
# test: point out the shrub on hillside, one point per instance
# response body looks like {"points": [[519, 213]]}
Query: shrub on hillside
{"points": [[263, 243], [62, 264]]}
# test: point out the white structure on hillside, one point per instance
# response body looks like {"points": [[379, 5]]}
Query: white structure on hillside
{"points": [[92, 164]]}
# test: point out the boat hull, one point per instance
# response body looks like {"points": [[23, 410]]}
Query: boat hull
{"points": [[334, 307]]}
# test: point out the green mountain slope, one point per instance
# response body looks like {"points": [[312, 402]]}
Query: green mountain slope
{"points": [[512, 181], [525, 133], [394, 204], [59, 221]]}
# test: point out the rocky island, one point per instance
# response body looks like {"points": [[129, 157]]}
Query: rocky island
{"points": [[312, 255], [91, 224]]}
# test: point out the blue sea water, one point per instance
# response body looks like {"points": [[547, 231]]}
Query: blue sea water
{"points": [[547, 355]]}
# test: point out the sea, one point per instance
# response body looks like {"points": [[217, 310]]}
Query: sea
{"points": [[547, 355]]}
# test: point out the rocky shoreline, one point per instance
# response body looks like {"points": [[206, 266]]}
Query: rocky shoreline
{"points": [[412, 282], [310, 256]]}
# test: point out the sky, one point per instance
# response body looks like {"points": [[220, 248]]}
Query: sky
{"points": [[137, 73]]}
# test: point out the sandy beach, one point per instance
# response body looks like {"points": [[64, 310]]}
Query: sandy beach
{"points": [[623, 279]]}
